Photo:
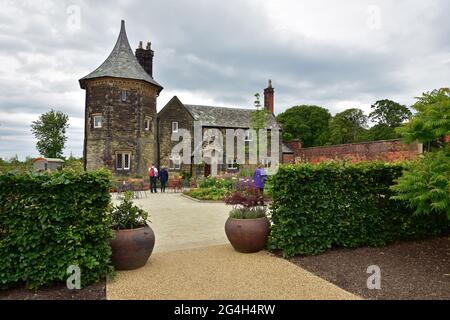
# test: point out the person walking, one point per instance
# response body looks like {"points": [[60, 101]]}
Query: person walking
{"points": [[163, 178], [153, 174]]}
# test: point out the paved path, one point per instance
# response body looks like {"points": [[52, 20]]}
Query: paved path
{"points": [[181, 223], [193, 260]]}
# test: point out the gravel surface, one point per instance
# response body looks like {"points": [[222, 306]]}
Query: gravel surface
{"points": [[219, 272]]}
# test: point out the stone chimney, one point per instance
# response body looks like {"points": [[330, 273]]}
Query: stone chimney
{"points": [[268, 98], [145, 57]]}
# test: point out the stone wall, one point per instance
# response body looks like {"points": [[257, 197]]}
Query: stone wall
{"points": [[386, 150], [123, 124]]}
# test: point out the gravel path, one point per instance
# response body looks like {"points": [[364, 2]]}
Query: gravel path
{"points": [[219, 272]]}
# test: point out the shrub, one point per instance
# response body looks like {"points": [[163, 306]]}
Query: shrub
{"points": [[316, 207], [247, 201], [212, 193], [51, 221], [128, 216], [425, 185]]}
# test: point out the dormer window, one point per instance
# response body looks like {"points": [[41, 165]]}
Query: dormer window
{"points": [[97, 119], [124, 95]]}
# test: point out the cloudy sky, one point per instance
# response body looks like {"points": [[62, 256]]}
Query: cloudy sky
{"points": [[337, 54]]}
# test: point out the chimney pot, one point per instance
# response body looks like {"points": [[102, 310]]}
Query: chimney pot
{"points": [[140, 44], [149, 45]]}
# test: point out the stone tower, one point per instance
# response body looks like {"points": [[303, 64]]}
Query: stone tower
{"points": [[120, 111]]}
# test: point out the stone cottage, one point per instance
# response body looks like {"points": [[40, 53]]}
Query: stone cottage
{"points": [[176, 115], [123, 131]]}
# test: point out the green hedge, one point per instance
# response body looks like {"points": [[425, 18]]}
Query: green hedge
{"points": [[317, 207], [51, 221]]}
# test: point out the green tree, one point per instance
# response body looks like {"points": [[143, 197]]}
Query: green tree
{"points": [[425, 185], [348, 126], [50, 131], [432, 120], [309, 124], [258, 116], [387, 115]]}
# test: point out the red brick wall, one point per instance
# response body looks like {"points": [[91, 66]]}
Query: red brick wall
{"points": [[288, 158], [386, 150]]}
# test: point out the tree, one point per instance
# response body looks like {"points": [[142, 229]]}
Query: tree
{"points": [[425, 185], [348, 126], [50, 131], [432, 120], [309, 124], [387, 115]]}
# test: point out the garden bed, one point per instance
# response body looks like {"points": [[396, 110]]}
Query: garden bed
{"points": [[56, 292], [409, 269]]}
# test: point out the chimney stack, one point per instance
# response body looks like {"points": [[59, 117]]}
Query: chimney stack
{"points": [[268, 98], [145, 57]]}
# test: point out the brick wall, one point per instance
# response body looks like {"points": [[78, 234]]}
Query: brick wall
{"points": [[386, 150]]}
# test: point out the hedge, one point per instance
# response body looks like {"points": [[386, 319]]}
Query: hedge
{"points": [[51, 221], [317, 207]]}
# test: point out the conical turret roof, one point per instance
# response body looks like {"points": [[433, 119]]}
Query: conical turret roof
{"points": [[121, 63]]}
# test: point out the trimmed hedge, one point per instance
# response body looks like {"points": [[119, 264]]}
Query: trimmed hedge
{"points": [[317, 207], [51, 221]]}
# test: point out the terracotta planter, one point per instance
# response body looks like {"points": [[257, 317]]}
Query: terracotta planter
{"points": [[247, 235], [131, 248]]}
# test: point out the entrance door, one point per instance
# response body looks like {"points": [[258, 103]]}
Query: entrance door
{"points": [[207, 171]]}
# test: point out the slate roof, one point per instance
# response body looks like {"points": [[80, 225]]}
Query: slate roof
{"points": [[121, 63], [286, 149], [211, 116]]}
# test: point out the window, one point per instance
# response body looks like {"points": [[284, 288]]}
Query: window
{"points": [[175, 162], [248, 135], [231, 164], [147, 124], [174, 126], [123, 160], [124, 95], [98, 121]]}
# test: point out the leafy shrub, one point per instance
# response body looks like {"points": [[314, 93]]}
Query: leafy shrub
{"points": [[247, 201], [316, 207], [426, 183], [128, 216], [212, 193], [51, 221]]}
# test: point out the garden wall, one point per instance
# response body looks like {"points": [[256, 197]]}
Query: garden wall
{"points": [[385, 150], [51, 221], [317, 207]]}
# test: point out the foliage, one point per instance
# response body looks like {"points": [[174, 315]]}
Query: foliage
{"points": [[50, 131], [210, 193], [258, 116], [348, 126], [389, 113], [75, 164], [220, 183], [128, 216], [380, 132], [316, 207], [247, 201], [15, 165], [426, 183], [309, 124], [248, 213], [432, 120], [51, 221]]}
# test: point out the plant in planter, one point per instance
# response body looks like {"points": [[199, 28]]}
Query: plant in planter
{"points": [[247, 227], [134, 239]]}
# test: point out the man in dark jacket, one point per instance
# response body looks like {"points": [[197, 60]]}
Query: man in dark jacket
{"points": [[163, 177]]}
